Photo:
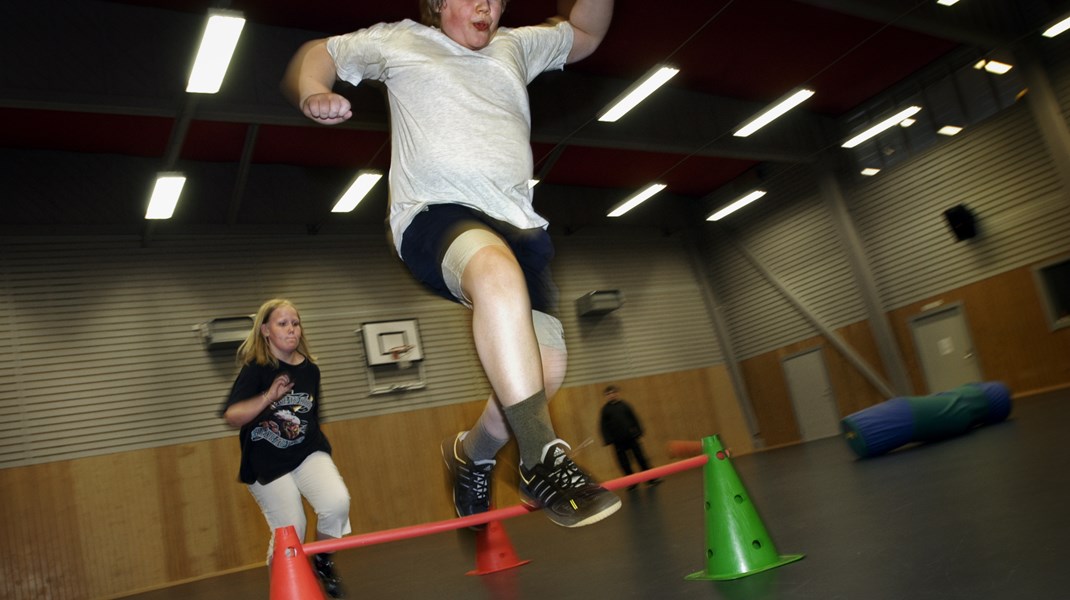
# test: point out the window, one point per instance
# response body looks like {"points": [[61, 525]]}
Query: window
{"points": [[1053, 284]]}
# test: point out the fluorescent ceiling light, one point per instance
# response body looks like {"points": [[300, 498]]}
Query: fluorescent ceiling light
{"points": [[949, 130], [870, 171], [1057, 28], [907, 122], [997, 68], [635, 94], [777, 109], [217, 46], [165, 195], [992, 66], [947, 2], [738, 204], [891, 121], [635, 199], [365, 181]]}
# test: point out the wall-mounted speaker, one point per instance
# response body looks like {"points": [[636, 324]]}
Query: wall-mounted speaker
{"points": [[599, 302], [961, 221]]}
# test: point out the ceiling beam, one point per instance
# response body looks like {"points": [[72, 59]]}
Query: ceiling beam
{"points": [[922, 16]]}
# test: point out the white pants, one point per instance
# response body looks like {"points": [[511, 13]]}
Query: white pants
{"points": [[317, 479]]}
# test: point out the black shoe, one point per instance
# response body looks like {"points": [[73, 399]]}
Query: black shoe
{"points": [[471, 479], [570, 497], [324, 568]]}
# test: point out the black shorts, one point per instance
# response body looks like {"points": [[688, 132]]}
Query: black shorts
{"points": [[425, 241]]}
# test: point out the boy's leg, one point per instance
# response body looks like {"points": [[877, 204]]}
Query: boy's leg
{"points": [[470, 455], [494, 284], [459, 254], [491, 432]]}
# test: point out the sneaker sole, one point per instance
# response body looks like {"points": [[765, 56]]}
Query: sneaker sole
{"points": [[557, 519]]}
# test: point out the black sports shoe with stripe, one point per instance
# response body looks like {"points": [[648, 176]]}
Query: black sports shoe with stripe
{"points": [[570, 497], [471, 479]]}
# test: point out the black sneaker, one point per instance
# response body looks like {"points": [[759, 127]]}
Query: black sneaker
{"points": [[570, 497], [324, 567], [471, 479]]}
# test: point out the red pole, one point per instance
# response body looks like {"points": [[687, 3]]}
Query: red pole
{"points": [[500, 514], [292, 577]]}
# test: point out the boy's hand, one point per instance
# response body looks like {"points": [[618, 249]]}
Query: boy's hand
{"points": [[328, 109]]}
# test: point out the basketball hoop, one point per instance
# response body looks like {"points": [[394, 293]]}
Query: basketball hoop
{"points": [[400, 355]]}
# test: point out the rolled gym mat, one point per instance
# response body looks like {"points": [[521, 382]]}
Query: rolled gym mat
{"points": [[898, 421]]}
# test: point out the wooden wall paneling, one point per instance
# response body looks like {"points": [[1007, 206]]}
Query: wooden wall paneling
{"points": [[393, 467], [853, 391], [242, 531], [730, 420], [686, 405], [41, 535], [120, 517], [768, 390], [1009, 331], [192, 544]]}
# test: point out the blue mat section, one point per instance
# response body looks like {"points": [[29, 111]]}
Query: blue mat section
{"points": [[999, 401], [880, 428]]}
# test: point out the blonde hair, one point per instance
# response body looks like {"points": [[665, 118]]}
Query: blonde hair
{"points": [[430, 9], [255, 348]]}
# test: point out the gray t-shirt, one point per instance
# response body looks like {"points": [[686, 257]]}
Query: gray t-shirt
{"points": [[460, 119]]}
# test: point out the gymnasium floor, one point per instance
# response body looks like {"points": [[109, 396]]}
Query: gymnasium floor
{"points": [[981, 516]]}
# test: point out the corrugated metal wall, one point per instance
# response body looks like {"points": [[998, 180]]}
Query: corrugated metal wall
{"points": [[663, 325], [105, 356], [1001, 171], [791, 233]]}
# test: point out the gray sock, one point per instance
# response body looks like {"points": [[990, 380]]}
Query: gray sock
{"points": [[530, 421], [479, 444]]}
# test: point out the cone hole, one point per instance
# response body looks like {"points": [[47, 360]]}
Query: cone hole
{"points": [[721, 455], [757, 545], [738, 499], [291, 552], [709, 553], [708, 506]]}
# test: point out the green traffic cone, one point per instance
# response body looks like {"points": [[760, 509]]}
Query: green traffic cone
{"points": [[737, 543]]}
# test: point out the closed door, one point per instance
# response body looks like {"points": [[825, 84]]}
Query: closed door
{"points": [[945, 349], [811, 395]]}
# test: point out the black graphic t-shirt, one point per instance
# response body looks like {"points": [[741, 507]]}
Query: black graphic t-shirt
{"points": [[288, 430]]}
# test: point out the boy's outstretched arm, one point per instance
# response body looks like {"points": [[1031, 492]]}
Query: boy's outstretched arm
{"points": [[590, 22], [308, 82]]}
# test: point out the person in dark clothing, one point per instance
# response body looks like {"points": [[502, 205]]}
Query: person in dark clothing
{"points": [[621, 428]]}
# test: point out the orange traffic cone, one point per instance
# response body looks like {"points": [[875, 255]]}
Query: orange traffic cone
{"points": [[291, 573], [494, 552]]}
